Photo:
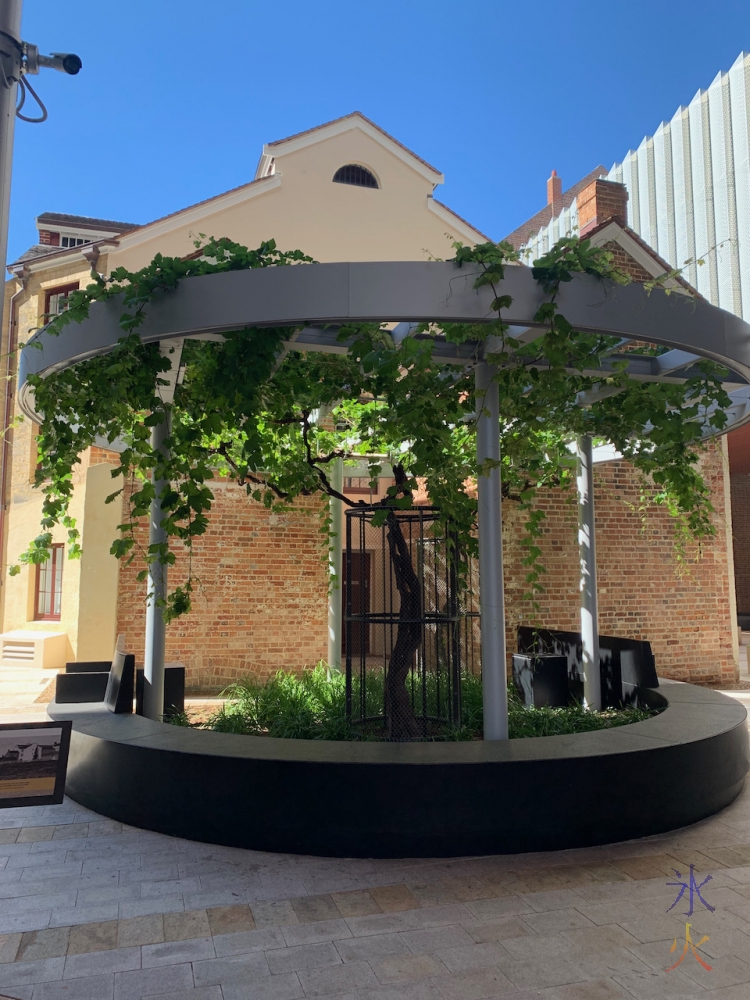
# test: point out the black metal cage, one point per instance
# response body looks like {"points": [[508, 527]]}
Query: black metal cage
{"points": [[410, 625]]}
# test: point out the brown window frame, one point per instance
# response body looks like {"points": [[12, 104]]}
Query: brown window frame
{"points": [[72, 286], [55, 560]]}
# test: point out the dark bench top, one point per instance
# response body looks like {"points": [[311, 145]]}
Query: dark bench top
{"points": [[692, 714]]}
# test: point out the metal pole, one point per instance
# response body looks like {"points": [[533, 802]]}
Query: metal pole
{"points": [[335, 565], [156, 631], [10, 24], [592, 682], [491, 596]]}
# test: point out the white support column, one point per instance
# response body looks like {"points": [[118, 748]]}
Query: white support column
{"points": [[491, 594], [592, 685], [156, 630], [335, 567]]}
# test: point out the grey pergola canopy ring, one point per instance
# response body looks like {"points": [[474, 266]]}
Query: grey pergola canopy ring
{"points": [[319, 297]]}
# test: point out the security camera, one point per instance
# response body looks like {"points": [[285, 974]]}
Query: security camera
{"points": [[64, 62]]}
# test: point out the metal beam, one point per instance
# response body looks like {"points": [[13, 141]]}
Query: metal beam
{"points": [[335, 566], [156, 630], [592, 688], [490, 530]]}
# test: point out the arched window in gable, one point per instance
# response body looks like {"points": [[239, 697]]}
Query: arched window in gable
{"points": [[352, 173]]}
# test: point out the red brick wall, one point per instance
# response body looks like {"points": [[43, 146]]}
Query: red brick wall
{"points": [[262, 601], [740, 485], [685, 612]]}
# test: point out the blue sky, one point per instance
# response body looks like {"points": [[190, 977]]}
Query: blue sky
{"points": [[176, 97]]}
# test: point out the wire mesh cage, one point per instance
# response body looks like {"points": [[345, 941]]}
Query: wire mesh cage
{"points": [[410, 625]]}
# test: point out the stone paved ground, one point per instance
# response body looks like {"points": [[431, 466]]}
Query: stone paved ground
{"points": [[94, 910]]}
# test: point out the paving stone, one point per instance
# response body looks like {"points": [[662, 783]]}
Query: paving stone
{"points": [[283, 987], [33, 921], [313, 908], [474, 956], [202, 993], [144, 907], [170, 887], [358, 903], [498, 930], [95, 914], [394, 898], [598, 990], [45, 970], [323, 930], [543, 971], [556, 920], [433, 893], [247, 941], [32, 835], [468, 889], [151, 982], [9, 945], [230, 969], [341, 979], [102, 962], [86, 938], [420, 942], [50, 943], [273, 913], [372, 948], [71, 830], [135, 931], [90, 988], [230, 919], [186, 925], [175, 952], [474, 985], [51, 901], [304, 957], [489, 909]]}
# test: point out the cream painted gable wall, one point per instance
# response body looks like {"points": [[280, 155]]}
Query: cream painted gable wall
{"points": [[301, 208]]}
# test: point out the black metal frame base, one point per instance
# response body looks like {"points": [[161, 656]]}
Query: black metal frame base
{"points": [[414, 800]]}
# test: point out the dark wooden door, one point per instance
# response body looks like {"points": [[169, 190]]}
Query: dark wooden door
{"points": [[359, 579]]}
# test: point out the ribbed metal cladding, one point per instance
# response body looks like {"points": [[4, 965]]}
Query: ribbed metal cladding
{"points": [[689, 191]]}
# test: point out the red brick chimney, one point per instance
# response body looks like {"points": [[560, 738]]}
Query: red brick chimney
{"points": [[599, 202], [554, 194]]}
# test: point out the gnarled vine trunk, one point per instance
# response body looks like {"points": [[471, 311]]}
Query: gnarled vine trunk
{"points": [[399, 714]]}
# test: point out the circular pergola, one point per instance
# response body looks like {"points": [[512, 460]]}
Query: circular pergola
{"points": [[319, 296]]}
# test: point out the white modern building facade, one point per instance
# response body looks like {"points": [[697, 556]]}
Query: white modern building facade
{"points": [[689, 192]]}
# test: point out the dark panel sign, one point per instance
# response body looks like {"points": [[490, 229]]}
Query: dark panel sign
{"points": [[33, 762]]}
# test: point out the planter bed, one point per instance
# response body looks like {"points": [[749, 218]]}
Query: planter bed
{"points": [[416, 799]]}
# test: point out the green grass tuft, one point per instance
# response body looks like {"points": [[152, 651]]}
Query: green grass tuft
{"points": [[312, 706]]}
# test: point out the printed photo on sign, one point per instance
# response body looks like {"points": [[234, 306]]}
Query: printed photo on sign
{"points": [[32, 761]]}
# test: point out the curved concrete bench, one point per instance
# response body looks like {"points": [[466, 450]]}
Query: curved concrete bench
{"points": [[414, 800]]}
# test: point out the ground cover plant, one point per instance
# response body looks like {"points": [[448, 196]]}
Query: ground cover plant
{"points": [[312, 706]]}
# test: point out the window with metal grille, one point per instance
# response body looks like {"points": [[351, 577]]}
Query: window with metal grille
{"points": [[56, 300], [49, 586], [356, 175]]}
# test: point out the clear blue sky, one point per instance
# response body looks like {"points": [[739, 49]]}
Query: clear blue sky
{"points": [[176, 97]]}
